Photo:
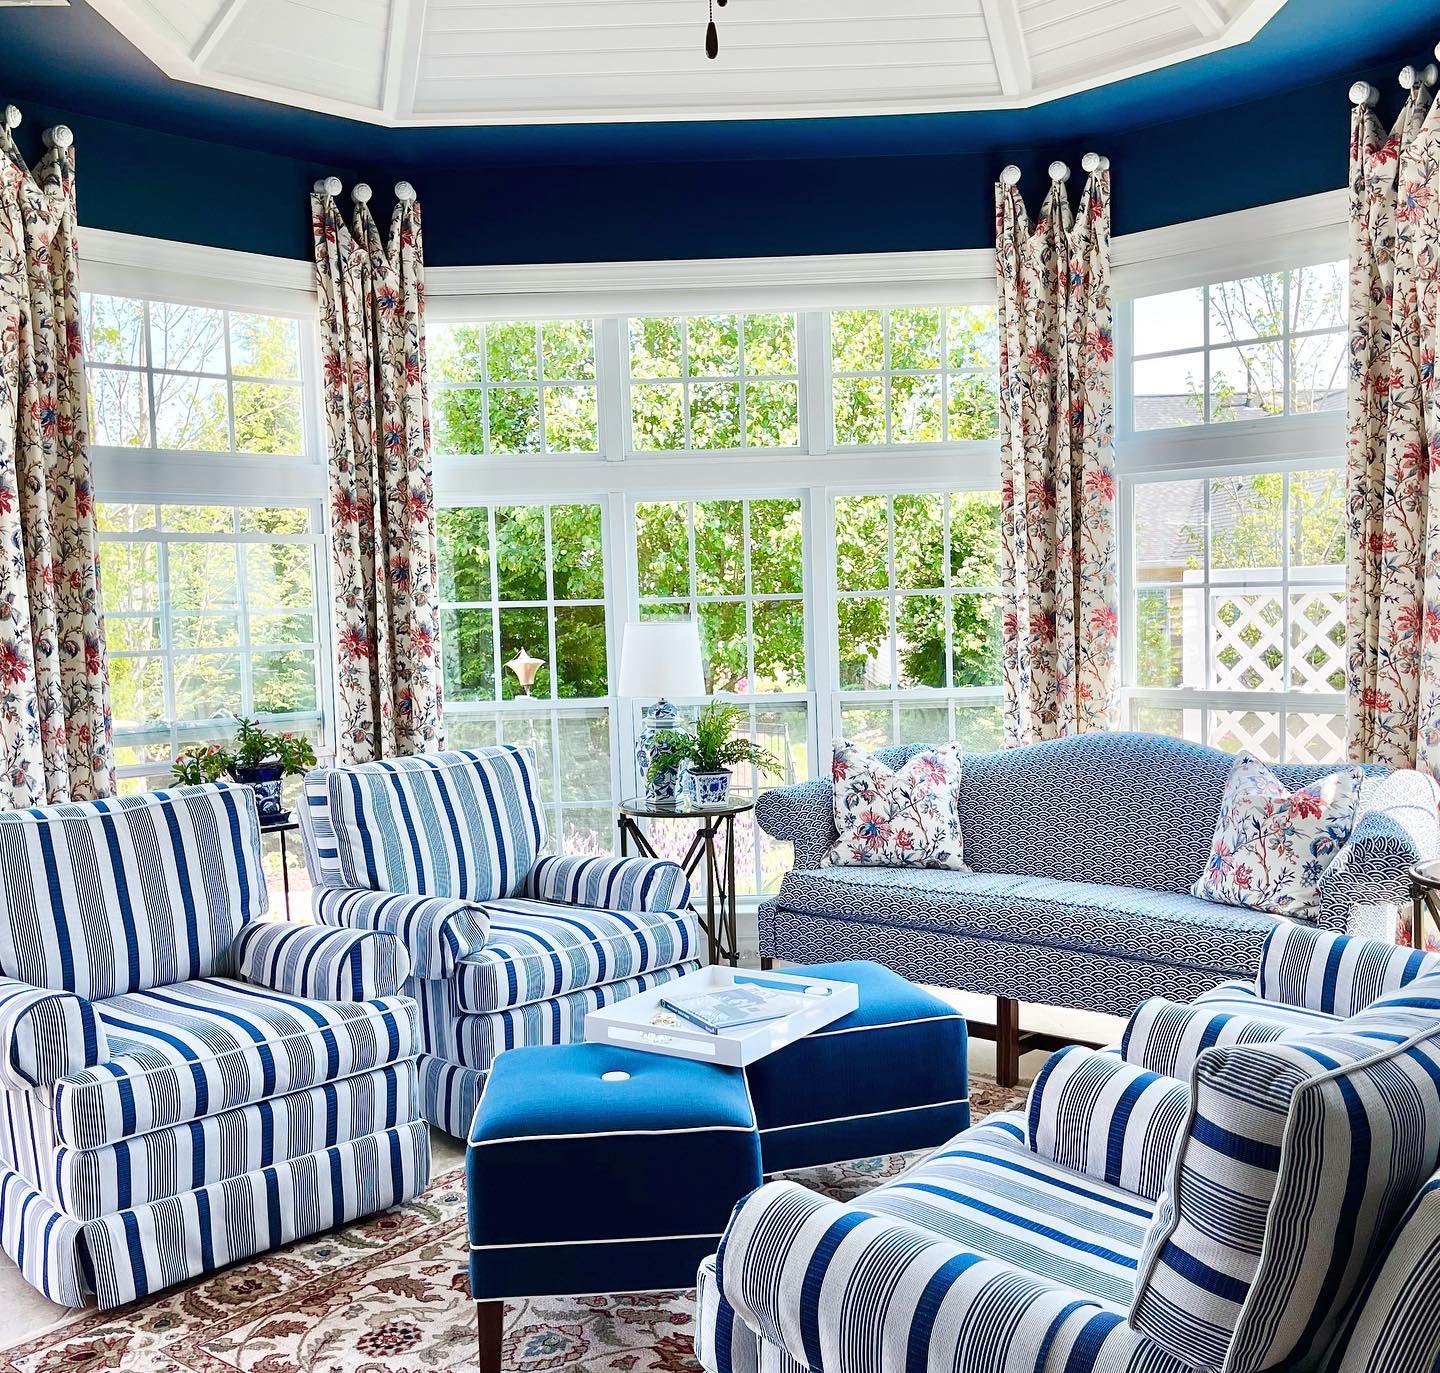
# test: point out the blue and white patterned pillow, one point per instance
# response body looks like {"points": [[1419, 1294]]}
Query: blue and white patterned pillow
{"points": [[905, 817], [1272, 845]]}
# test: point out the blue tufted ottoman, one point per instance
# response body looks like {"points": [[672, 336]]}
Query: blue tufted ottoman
{"points": [[591, 1168], [890, 1077]]}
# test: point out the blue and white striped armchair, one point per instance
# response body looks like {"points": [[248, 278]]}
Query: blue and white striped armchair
{"points": [[184, 1083], [508, 945], [1246, 1183]]}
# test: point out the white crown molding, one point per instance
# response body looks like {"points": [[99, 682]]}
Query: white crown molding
{"points": [[162, 269], [1167, 259], [1244, 242]]}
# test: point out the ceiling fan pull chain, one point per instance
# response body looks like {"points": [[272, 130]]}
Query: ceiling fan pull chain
{"points": [[712, 34]]}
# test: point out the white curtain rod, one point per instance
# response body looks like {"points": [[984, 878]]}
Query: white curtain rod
{"points": [[1363, 93]]}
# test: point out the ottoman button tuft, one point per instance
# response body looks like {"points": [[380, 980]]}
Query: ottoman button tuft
{"points": [[615, 1077]]}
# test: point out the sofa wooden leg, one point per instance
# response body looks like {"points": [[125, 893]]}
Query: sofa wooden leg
{"points": [[490, 1328], [1007, 1041]]}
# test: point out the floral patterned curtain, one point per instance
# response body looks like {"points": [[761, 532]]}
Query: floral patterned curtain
{"points": [[1393, 548], [382, 506], [54, 690], [1057, 483]]}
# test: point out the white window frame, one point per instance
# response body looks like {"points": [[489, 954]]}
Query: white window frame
{"points": [[1223, 248], [1276, 238], [186, 274]]}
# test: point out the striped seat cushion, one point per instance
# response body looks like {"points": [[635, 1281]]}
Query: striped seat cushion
{"points": [[462, 825], [106, 897], [539, 949], [988, 1194], [1297, 1161], [180, 1053]]}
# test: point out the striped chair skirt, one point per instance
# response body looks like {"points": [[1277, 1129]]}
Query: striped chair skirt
{"points": [[228, 1119]]}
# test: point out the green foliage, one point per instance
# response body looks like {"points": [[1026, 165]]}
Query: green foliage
{"points": [[254, 747], [717, 741]]}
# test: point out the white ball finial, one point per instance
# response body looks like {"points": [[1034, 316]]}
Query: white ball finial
{"points": [[1059, 172], [12, 117], [1010, 176], [1104, 164], [1407, 77], [1430, 74], [1091, 162], [328, 185], [404, 192], [360, 193], [1363, 93], [58, 137]]}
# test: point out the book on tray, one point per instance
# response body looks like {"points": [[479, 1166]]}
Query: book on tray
{"points": [[734, 1007]]}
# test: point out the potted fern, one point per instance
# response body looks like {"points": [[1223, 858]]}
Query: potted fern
{"points": [[712, 746]]}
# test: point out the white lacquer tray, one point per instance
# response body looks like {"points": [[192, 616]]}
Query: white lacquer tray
{"points": [[631, 1024]]}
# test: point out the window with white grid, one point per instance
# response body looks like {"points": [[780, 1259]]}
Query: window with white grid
{"points": [[1272, 344], [186, 378], [211, 612], [515, 386], [522, 590], [708, 382], [738, 567], [917, 615], [914, 374], [1238, 610]]}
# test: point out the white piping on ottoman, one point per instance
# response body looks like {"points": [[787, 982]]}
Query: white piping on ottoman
{"points": [[866, 1115]]}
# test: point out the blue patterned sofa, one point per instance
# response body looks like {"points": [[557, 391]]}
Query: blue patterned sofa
{"points": [[1084, 851], [1246, 1183], [185, 1084], [508, 945]]}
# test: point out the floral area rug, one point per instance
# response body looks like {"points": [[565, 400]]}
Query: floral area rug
{"points": [[389, 1295]]}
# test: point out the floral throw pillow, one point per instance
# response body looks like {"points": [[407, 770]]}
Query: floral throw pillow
{"points": [[889, 818], [1272, 845]]}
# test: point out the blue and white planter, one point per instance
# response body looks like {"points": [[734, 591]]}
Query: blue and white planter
{"points": [[710, 788], [266, 781], [669, 784]]}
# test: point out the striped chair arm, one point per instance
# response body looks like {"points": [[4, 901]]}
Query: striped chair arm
{"points": [[1165, 1037], [319, 962], [836, 1288], [437, 933], [612, 884], [46, 1035], [1096, 1114], [1394, 1329], [1323, 970]]}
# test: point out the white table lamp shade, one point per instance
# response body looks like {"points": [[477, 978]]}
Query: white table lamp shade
{"points": [[661, 659]]}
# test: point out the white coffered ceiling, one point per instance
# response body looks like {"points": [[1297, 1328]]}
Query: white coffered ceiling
{"points": [[419, 62]]}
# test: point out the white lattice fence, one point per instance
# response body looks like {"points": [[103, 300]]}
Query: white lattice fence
{"points": [[1317, 641], [1254, 730], [1248, 642], [1314, 736]]}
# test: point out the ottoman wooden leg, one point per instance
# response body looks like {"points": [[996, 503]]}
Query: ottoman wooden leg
{"points": [[490, 1328], [1007, 1041], [767, 964]]}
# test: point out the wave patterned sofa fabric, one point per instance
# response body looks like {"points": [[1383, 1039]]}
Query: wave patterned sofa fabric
{"points": [[185, 1083], [1083, 853], [508, 944], [1276, 1207]]}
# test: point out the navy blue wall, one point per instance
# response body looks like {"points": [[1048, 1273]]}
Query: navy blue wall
{"points": [[159, 157]]}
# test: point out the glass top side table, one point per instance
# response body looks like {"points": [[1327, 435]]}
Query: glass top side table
{"points": [[713, 844]]}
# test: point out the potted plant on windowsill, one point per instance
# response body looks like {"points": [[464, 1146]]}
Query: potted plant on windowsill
{"points": [[259, 758], [712, 746]]}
